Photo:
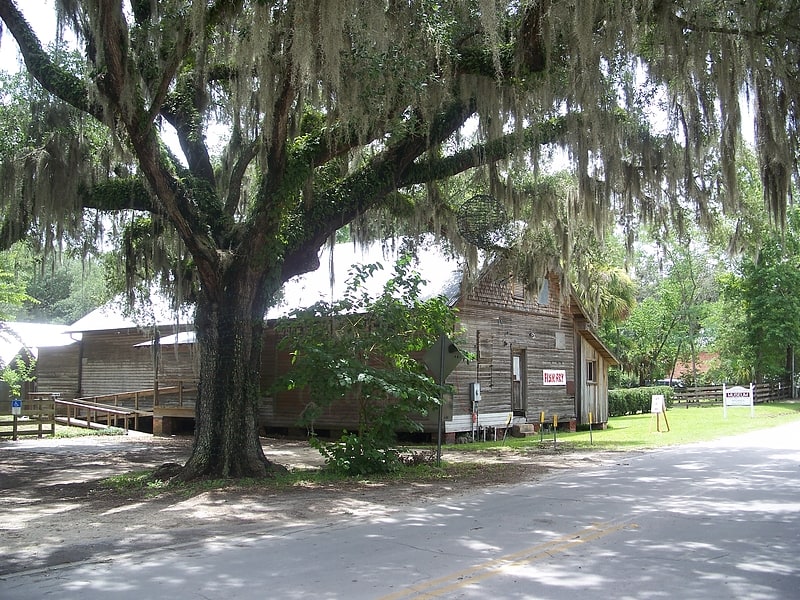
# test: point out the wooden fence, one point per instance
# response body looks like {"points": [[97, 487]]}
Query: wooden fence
{"points": [[37, 417], [709, 394]]}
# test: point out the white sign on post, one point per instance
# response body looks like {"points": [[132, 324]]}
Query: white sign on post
{"points": [[658, 407], [657, 404], [16, 407], [737, 396]]}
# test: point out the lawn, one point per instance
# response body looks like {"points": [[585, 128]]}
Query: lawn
{"points": [[686, 425]]}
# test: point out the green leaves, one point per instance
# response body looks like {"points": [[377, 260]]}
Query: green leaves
{"points": [[358, 349], [765, 294]]}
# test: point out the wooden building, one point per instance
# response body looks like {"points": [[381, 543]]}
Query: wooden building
{"points": [[115, 352], [535, 358], [533, 355]]}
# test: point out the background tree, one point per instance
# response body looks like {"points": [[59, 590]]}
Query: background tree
{"points": [[676, 286], [762, 293], [12, 288], [328, 109]]}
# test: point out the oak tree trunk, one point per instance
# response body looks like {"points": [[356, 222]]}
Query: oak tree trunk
{"points": [[229, 330]]}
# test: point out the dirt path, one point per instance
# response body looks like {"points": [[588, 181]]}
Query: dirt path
{"points": [[56, 512]]}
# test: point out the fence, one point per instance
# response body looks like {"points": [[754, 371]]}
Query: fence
{"points": [[37, 417], [709, 394]]}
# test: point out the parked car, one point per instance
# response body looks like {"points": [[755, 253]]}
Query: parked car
{"points": [[675, 383]]}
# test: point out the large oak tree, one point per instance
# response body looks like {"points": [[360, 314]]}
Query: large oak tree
{"points": [[295, 118]]}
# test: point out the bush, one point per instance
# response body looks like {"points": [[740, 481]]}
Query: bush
{"points": [[636, 400], [354, 454]]}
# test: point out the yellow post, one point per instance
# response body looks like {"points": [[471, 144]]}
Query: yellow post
{"points": [[541, 426], [555, 429]]}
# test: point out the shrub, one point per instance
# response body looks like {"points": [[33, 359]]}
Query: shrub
{"points": [[636, 400], [358, 455]]}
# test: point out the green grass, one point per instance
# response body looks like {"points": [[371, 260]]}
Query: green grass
{"points": [[61, 431], [695, 424], [66, 431]]}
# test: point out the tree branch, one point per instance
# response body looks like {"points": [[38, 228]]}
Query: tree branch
{"points": [[435, 169], [118, 194], [54, 79], [366, 188]]}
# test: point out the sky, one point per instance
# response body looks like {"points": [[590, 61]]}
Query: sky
{"points": [[43, 22]]}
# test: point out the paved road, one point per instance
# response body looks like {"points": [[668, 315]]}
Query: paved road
{"points": [[711, 521]]}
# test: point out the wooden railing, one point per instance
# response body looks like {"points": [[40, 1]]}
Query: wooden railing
{"points": [[92, 415], [124, 407], [143, 399]]}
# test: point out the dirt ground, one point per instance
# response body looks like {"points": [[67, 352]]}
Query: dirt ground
{"points": [[56, 511]]}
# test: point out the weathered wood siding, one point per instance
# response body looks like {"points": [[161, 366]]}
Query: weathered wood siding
{"points": [[57, 370], [111, 362], [592, 395], [178, 363], [499, 320]]}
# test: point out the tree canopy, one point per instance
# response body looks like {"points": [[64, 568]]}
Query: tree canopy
{"points": [[297, 118]]}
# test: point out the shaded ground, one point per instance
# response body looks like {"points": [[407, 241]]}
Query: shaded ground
{"points": [[56, 511]]}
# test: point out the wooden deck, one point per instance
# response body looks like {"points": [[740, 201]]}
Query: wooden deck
{"points": [[128, 410]]}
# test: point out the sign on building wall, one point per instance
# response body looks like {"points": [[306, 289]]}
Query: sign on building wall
{"points": [[554, 377]]}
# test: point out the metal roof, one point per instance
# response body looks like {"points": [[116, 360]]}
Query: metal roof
{"points": [[442, 275]]}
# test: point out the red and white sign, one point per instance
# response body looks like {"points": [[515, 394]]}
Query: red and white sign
{"points": [[737, 396], [554, 377]]}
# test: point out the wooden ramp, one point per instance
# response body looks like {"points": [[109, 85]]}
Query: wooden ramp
{"points": [[128, 410]]}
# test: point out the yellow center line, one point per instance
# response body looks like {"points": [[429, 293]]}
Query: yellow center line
{"points": [[434, 588]]}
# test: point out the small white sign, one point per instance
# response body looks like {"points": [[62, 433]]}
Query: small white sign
{"points": [[554, 377], [16, 407], [657, 405], [737, 396]]}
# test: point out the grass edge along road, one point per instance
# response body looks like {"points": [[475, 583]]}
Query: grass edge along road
{"points": [[686, 425]]}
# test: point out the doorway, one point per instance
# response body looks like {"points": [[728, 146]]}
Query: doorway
{"points": [[518, 384]]}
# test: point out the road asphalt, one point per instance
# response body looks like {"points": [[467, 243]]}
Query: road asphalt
{"points": [[707, 521]]}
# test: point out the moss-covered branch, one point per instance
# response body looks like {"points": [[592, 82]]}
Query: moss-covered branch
{"points": [[118, 194], [54, 79]]}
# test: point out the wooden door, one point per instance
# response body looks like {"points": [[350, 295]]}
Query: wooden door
{"points": [[518, 370]]}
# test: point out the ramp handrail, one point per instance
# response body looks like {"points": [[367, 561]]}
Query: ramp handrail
{"points": [[74, 408]]}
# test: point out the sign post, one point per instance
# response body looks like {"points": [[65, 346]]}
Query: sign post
{"points": [[541, 427], [441, 359], [737, 396], [16, 407], [658, 407]]}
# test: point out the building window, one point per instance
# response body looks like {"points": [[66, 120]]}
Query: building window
{"points": [[544, 293], [591, 371], [561, 340]]}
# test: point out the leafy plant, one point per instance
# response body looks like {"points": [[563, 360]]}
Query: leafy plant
{"points": [[360, 348], [17, 374], [636, 400]]}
